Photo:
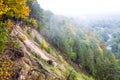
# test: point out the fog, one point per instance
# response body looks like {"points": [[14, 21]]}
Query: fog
{"points": [[80, 7]]}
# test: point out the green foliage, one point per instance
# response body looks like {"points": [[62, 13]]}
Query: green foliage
{"points": [[9, 24], [109, 72], [35, 55], [36, 14], [43, 44], [3, 38], [82, 47], [91, 78], [31, 21], [73, 56], [36, 11], [28, 32], [116, 44], [17, 44], [13, 44], [72, 75], [36, 40], [49, 49], [40, 26]]}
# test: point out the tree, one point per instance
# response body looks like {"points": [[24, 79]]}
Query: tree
{"points": [[14, 8], [36, 11], [108, 71]]}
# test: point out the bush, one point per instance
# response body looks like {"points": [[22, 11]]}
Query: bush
{"points": [[72, 75], [3, 38], [43, 44], [9, 24], [16, 44], [36, 40], [31, 21], [40, 26], [13, 44], [5, 68], [49, 49], [28, 32], [35, 55], [73, 56], [91, 78]]}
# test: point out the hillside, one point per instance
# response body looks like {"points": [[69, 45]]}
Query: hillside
{"points": [[37, 64], [38, 45]]}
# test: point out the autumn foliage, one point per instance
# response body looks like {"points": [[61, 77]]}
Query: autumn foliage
{"points": [[5, 68], [14, 8]]}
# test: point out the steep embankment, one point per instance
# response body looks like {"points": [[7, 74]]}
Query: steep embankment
{"points": [[37, 63], [30, 44]]}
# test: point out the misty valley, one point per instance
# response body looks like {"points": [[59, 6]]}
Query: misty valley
{"points": [[37, 44], [91, 42]]}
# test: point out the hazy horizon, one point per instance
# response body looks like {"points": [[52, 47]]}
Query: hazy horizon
{"points": [[81, 7]]}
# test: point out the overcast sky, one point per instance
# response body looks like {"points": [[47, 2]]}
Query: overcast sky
{"points": [[76, 7]]}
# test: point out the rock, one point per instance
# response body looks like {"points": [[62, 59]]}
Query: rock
{"points": [[50, 62], [14, 54]]}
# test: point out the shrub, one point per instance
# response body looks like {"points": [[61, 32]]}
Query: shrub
{"points": [[31, 21], [35, 55], [5, 68], [43, 44], [40, 26], [73, 56], [28, 32], [9, 24], [16, 44], [36, 40], [72, 75], [3, 38], [13, 44], [49, 49], [91, 78]]}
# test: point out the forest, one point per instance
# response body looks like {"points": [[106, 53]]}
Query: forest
{"points": [[86, 44], [92, 44]]}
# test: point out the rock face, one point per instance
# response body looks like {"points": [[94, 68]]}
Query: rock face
{"points": [[34, 68]]}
